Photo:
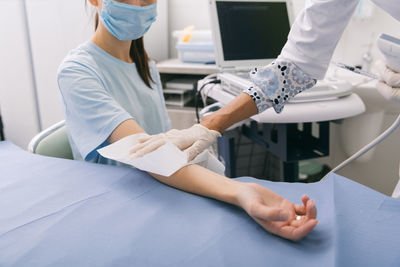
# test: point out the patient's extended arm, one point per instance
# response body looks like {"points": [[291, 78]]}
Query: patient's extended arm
{"points": [[273, 212]]}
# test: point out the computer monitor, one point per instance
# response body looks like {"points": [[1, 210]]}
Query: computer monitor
{"points": [[249, 33]]}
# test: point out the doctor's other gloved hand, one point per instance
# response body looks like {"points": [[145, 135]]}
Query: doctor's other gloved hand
{"points": [[193, 141], [276, 214], [389, 86], [277, 83]]}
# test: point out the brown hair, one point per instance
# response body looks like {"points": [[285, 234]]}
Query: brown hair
{"points": [[138, 54]]}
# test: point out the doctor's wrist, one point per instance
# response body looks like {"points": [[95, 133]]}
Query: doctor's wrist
{"points": [[211, 122], [240, 108]]}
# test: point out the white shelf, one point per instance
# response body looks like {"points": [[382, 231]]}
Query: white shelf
{"points": [[175, 91], [177, 100], [176, 66], [181, 83]]}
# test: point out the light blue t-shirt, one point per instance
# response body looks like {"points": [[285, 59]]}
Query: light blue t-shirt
{"points": [[100, 92]]}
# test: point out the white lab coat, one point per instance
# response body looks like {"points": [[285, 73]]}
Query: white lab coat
{"points": [[316, 32], [396, 192]]}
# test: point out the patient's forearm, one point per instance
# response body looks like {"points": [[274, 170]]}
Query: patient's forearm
{"points": [[201, 181], [193, 178], [263, 205], [273, 212]]}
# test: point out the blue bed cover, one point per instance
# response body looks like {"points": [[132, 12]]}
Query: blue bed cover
{"points": [[56, 212]]}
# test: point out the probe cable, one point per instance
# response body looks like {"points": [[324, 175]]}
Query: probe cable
{"points": [[196, 98], [365, 149]]}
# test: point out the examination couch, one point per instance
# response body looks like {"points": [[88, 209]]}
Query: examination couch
{"points": [[58, 212]]}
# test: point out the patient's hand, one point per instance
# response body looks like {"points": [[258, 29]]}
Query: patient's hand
{"points": [[277, 214]]}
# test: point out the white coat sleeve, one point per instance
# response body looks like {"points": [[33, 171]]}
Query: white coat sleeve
{"points": [[390, 6], [396, 192], [315, 34]]}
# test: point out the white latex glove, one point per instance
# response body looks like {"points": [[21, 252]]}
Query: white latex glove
{"points": [[193, 140], [389, 86]]}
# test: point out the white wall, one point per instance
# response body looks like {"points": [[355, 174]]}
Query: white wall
{"points": [[360, 33], [156, 40], [17, 99], [55, 26], [183, 13]]}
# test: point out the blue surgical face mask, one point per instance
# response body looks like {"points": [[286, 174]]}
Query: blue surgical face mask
{"points": [[125, 21]]}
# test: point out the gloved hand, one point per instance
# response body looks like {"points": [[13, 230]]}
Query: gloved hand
{"points": [[389, 86], [277, 83], [193, 140]]}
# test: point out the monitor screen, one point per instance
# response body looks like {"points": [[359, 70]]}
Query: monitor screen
{"points": [[252, 30]]}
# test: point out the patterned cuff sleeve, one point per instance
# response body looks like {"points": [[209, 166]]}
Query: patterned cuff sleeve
{"points": [[277, 83], [262, 101]]}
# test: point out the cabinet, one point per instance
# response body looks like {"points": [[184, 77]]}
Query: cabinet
{"points": [[174, 69]]}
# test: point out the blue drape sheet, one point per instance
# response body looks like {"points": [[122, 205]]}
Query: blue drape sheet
{"points": [[56, 212]]}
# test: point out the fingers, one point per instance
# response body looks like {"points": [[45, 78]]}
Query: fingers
{"points": [[144, 138], [193, 151], [145, 141], [388, 92], [291, 232], [298, 222], [294, 229], [147, 148], [304, 199], [305, 212], [297, 233], [301, 209], [138, 147], [265, 213], [311, 209], [390, 77]]}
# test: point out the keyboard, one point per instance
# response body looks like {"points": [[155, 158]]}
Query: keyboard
{"points": [[323, 90]]}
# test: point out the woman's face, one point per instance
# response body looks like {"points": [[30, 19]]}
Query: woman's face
{"points": [[99, 3]]}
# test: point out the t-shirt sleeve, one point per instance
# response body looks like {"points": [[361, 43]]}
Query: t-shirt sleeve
{"points": [[91, 113]]}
